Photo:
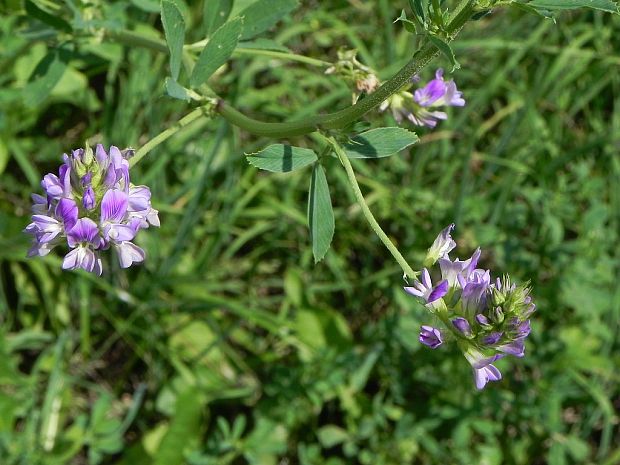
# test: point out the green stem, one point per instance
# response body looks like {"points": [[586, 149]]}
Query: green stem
{"points": [[267, 53], [283, 55], [85, 293], [342, 156], [164, 135]]}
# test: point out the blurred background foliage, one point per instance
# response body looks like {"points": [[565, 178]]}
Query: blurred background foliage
{"points": [[230, 345]]}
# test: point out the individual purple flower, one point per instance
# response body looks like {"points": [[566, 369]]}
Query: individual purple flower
{"points": [[453, 271], [118, 229], [91, 206], [430, 336], [521, 328], [492, 338], [475, 287], [431, 92], [40, 205], [88, 198], [46, 228], [485, 374], [425, 289], [113, 217], [439, 93], [515, 348], [129, 253], [424, 106], [442, 246], [482, 366], [483, 320], [462, 325], [52, 186], [139, 206], [84, 239]]}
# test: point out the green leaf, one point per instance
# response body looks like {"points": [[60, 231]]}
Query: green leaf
{"points": [[217, 51], [174, 28], [185, 428], [176, 90], [359, 378], [265, 443], [332, 435], [281, 158], [215, 14], [45, 77], [35, 11], [379, 143], [419, 9], [320, 214], [264, 14], [409, 25], [445, 49], [530, 9], [550, 5], [321, 327]]}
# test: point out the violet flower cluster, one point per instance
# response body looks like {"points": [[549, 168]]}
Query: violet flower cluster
{"points": [[91, 206], [488, 319], [424, 106]]}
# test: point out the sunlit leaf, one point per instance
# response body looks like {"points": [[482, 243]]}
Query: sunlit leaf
{"points": [[217, 51], [215, 13], [320, 213], [281, 158], [174, 28], [379, 143], [264, 14]]}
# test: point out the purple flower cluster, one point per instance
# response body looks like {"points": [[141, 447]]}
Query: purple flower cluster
{"points": [[423, 107], [91, 206], [488, 319]]}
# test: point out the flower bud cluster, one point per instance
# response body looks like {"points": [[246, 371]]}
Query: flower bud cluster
{"points": [[488, 319], [91, 206], [354, 73]]}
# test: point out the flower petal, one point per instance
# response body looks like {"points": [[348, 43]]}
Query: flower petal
{"points": [[438, 291], [113, 206], [67, 212], [483, 375], [85, 230], [129, 253]]}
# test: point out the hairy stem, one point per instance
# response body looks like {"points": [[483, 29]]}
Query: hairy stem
{"points": [[342, 156]]}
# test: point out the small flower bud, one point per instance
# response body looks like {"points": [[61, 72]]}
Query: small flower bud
{"points": [[88, 156], [442, 245], [483, 320], [88, 198], [430, 337], [463, 326]]}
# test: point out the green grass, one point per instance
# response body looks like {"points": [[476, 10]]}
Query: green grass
{"points": [[230, 345]]}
